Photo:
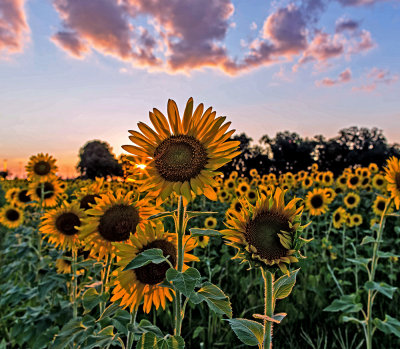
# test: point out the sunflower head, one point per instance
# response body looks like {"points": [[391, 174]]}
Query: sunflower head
{"points": [[351, 200], [41, 167], [11, 216], [317, 201], [339, 217], [267, 234], [183, 153], [393, 179]]}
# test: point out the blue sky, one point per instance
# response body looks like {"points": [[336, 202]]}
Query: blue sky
{"points": [[67, 78]]}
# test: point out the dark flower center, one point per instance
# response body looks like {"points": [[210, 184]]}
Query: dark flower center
{"points": [[365, 181], [42, 168], [153, 274], [337, 217], [262, 233], [180, 158], [351, 200], [381, 205], [23, 196], [317, 201], [12, 215], [66, 223], [354, 180], [252, 195], [48, 189], [379, 182], [238, 206], [118, 222], [88, 199], [397, 180]]}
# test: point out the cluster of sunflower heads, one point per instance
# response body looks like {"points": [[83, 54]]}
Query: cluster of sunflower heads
{"points": [[267, 234]]}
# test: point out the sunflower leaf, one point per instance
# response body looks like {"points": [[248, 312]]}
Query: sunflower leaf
{"points": [[284, 285], [161, 215], [184, 282], [215, 299], [389, 326], [345, 304], [90, 299], [175, 342], [192, 214], [153, 255], [248, 331], [204, 232], [381, 287]]}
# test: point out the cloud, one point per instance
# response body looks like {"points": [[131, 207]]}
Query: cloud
{"points": [[344, 24], [72, 43], [344, 77], [14, 27], [375, 77], [360, 2]]}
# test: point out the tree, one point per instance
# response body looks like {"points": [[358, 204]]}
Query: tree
{"points": [[97, 160]]}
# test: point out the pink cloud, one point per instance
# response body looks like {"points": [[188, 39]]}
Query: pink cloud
{"points": [[14, 27], [344, 77], [375, 77], [345, 24], [72, 43], [360, 2]]}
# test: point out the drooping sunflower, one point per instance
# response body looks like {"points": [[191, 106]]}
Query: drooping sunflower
{"points": [[185, 152], [392, 177], [210, 222], [268, 232], [60, 226], [339, 217], [11, 216], [41, 167], [113, 219], [51, 189], [131, 286], [351, 200], [317, 202]]}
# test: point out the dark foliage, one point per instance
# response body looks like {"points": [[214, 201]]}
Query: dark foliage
{"points": [[96, 160]]}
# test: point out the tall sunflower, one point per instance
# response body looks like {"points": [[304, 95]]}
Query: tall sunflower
{"points": [[51, 189], [144, 283], [267, 233], [393, 179], [41, 167], [112, 219], [60, 226], [317, 202], [185, 152], [11, 216]]}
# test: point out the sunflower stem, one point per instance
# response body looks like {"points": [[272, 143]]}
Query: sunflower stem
{"points": [[269, 306], [104, 282], [180, 230], [132, 322], [374, 264], [74, 284]]}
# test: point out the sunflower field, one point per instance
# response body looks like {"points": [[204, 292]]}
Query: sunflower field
{"points": [[179, 255]]}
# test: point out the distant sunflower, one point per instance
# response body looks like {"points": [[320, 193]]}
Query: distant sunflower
{"points": [[210, 222], [11, 194], [224, 196], [60, 226], [230, 184], [328, 179], [307, 183], [113, 219], [87, 195], [11, 216], [353, 181], [41, 167], [253, 172], [252, 196], [379, 205], [237, 205], [393, 179], [22, 197], [144, 283], [51, 189], [330, 194], [373, 167], [339, 217], [341, 181], [351, 200], [316, 202], [202, 240], [242, 188], [185, 153], [379, 182], [267, 232], [356, 219]]}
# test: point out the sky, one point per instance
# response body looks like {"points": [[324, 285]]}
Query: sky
{"points": [[76, 70]]}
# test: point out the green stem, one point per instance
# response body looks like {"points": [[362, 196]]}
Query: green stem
{"points": [[74, 284], [344, 243], [374, 264], [132, 322], [180, 231], [269, 306], [104, 282]]}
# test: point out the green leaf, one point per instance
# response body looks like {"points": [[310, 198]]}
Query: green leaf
{"points": [[161, 215], [153, 255], [184, 282], [248, 331], [107, 331], [90, 299], [284, 285], [359, 261], [380, 287], [352, 319], [146, 326], [215, 298], [367, 240], [389, 326], [109, 311], [345, 304], [204, 232], [387, 254], [192, 214], [175, 342], [148, 340]]}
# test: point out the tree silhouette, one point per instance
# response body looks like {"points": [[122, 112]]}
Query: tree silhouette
{"points": [[97, 160]]}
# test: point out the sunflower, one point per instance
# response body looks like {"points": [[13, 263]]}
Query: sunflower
{"points": [[251, 195], [61, 226], [41, 167], [113, 219], [339, 217], [224, 196], [379, 182], [253, 172], [307, 183], [356, 219], [242, 188], [22, 197], [51, 191], [230, 184], [314, 167], [330, 194], [353, 181], [267, 232], [202, 240], [11, 194], [379, 205], [11, 216], [236, 205], [373, 167], [210, 222], [185, 153], [317, 202], [87, 195], [328, 179], [144, 283], [393, 179], [351, 200]]}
